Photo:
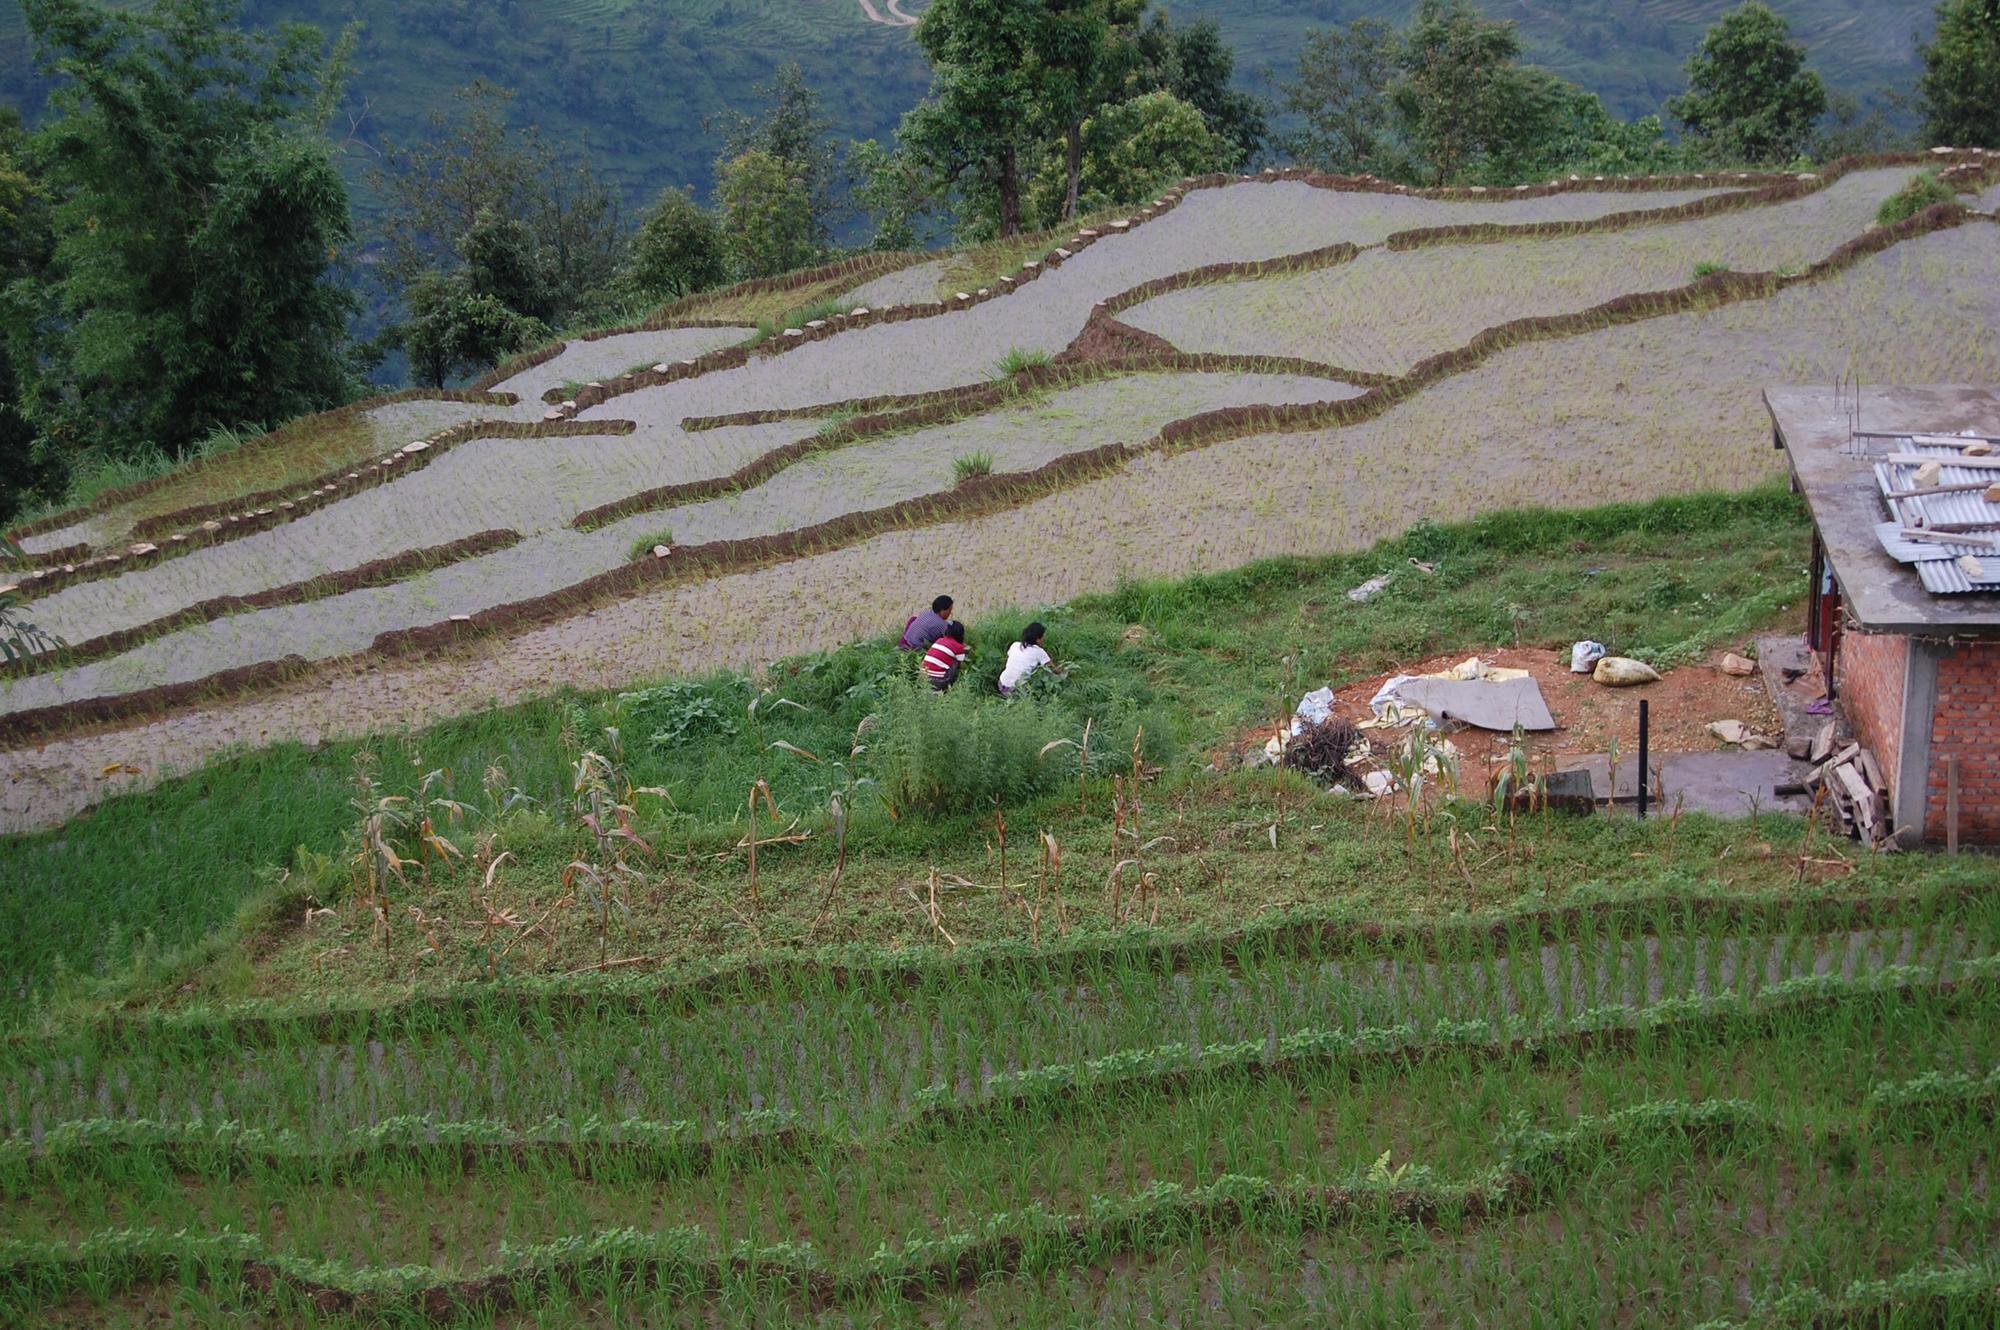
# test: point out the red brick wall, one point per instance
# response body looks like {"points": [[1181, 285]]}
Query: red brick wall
{"points": [[1967, 725], [1868, 677]]}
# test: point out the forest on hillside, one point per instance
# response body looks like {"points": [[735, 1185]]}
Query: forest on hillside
{"points": [[637, 83]]}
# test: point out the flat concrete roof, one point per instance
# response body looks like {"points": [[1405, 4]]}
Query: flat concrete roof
{"points": [[1835, 471]]}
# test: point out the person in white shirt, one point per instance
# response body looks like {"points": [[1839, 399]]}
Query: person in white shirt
{"points": [[1023, 658]]}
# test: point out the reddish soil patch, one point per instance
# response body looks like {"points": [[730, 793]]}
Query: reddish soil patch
{"points": [[1588, 714]]}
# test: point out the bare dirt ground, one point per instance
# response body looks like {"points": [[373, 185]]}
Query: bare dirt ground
{"points": [[1589, 715]]}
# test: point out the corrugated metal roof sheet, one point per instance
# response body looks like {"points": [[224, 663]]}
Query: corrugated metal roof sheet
{"points": [[1935, 564]]}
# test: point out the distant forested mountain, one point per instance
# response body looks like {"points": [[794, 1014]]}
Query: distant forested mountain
{"points": [[634, 80]]}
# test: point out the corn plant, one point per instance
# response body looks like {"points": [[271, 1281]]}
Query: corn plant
{"points": [[381, 820], [603, 802], [840, 804], [760, 789]]}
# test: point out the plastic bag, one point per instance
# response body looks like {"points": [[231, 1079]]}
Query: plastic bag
{"points": [[1584, 655]]}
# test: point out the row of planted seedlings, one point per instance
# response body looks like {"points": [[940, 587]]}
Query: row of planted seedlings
{"points": [[645, 1145], [851, 1042], [855, 1044], [1759, 1107]]}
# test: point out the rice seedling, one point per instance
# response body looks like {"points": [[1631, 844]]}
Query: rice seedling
{"points": [[971, 466], [1019, 358]]}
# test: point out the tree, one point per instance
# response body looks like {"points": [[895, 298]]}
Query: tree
{"points": [[453, 327], [1078, 54], [765, 224], [1750, 97], [677, 250], [1959, 89], [1458, 93], [197, 215], [1342, 92], [25, 244], [1130, 149], [474, 163], [1196, 66], [1851, 127], [894, 189], [1447, 101], [793, 131], [504, 261], [974, 122]]}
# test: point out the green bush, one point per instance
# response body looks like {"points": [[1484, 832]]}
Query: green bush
{"points": [[957, 751], [1921, 192], [681, 711]]}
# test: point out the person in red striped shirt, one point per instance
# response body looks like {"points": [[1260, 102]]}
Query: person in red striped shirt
{"points": [[946, 656]]}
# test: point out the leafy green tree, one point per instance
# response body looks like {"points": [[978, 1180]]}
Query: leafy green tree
{"points": [[976, 123], [1852, 126], [26, 471], [1129, 150], [1959, 89], [504, 261], [197, 215], [766, 228], [1197, 66], [1459, 93], [1750, 97], [1341, 93], [894, 189], [794, 130], [1079, 50], [453, 328], [678, 249], [475, 162]]}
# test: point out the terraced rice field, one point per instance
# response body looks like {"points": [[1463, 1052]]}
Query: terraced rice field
{"points": [[1388, 309], [1657, 1119], [1630, 403]]}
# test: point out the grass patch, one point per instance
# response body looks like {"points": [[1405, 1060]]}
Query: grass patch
{"points": [[975, 266], [798, 316], [1708, 268], [642, 548], [1923, 190]]}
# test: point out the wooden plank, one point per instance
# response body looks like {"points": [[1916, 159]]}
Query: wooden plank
{"points": [[1871, 771], [1822, 744], [1961, 526], [1863, 798], [1951, 804], [1916, 435], [1923, 537], [1846, 754], [1974, 487], [1918, 459]]}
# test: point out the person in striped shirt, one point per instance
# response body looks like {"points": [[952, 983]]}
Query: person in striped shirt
{"points": [[946, 656]]}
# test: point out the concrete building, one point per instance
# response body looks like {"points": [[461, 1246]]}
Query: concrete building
{"points": [[1904, 620]]}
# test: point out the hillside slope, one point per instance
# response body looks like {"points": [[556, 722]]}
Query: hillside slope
{"points": [[1196, 415]]}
